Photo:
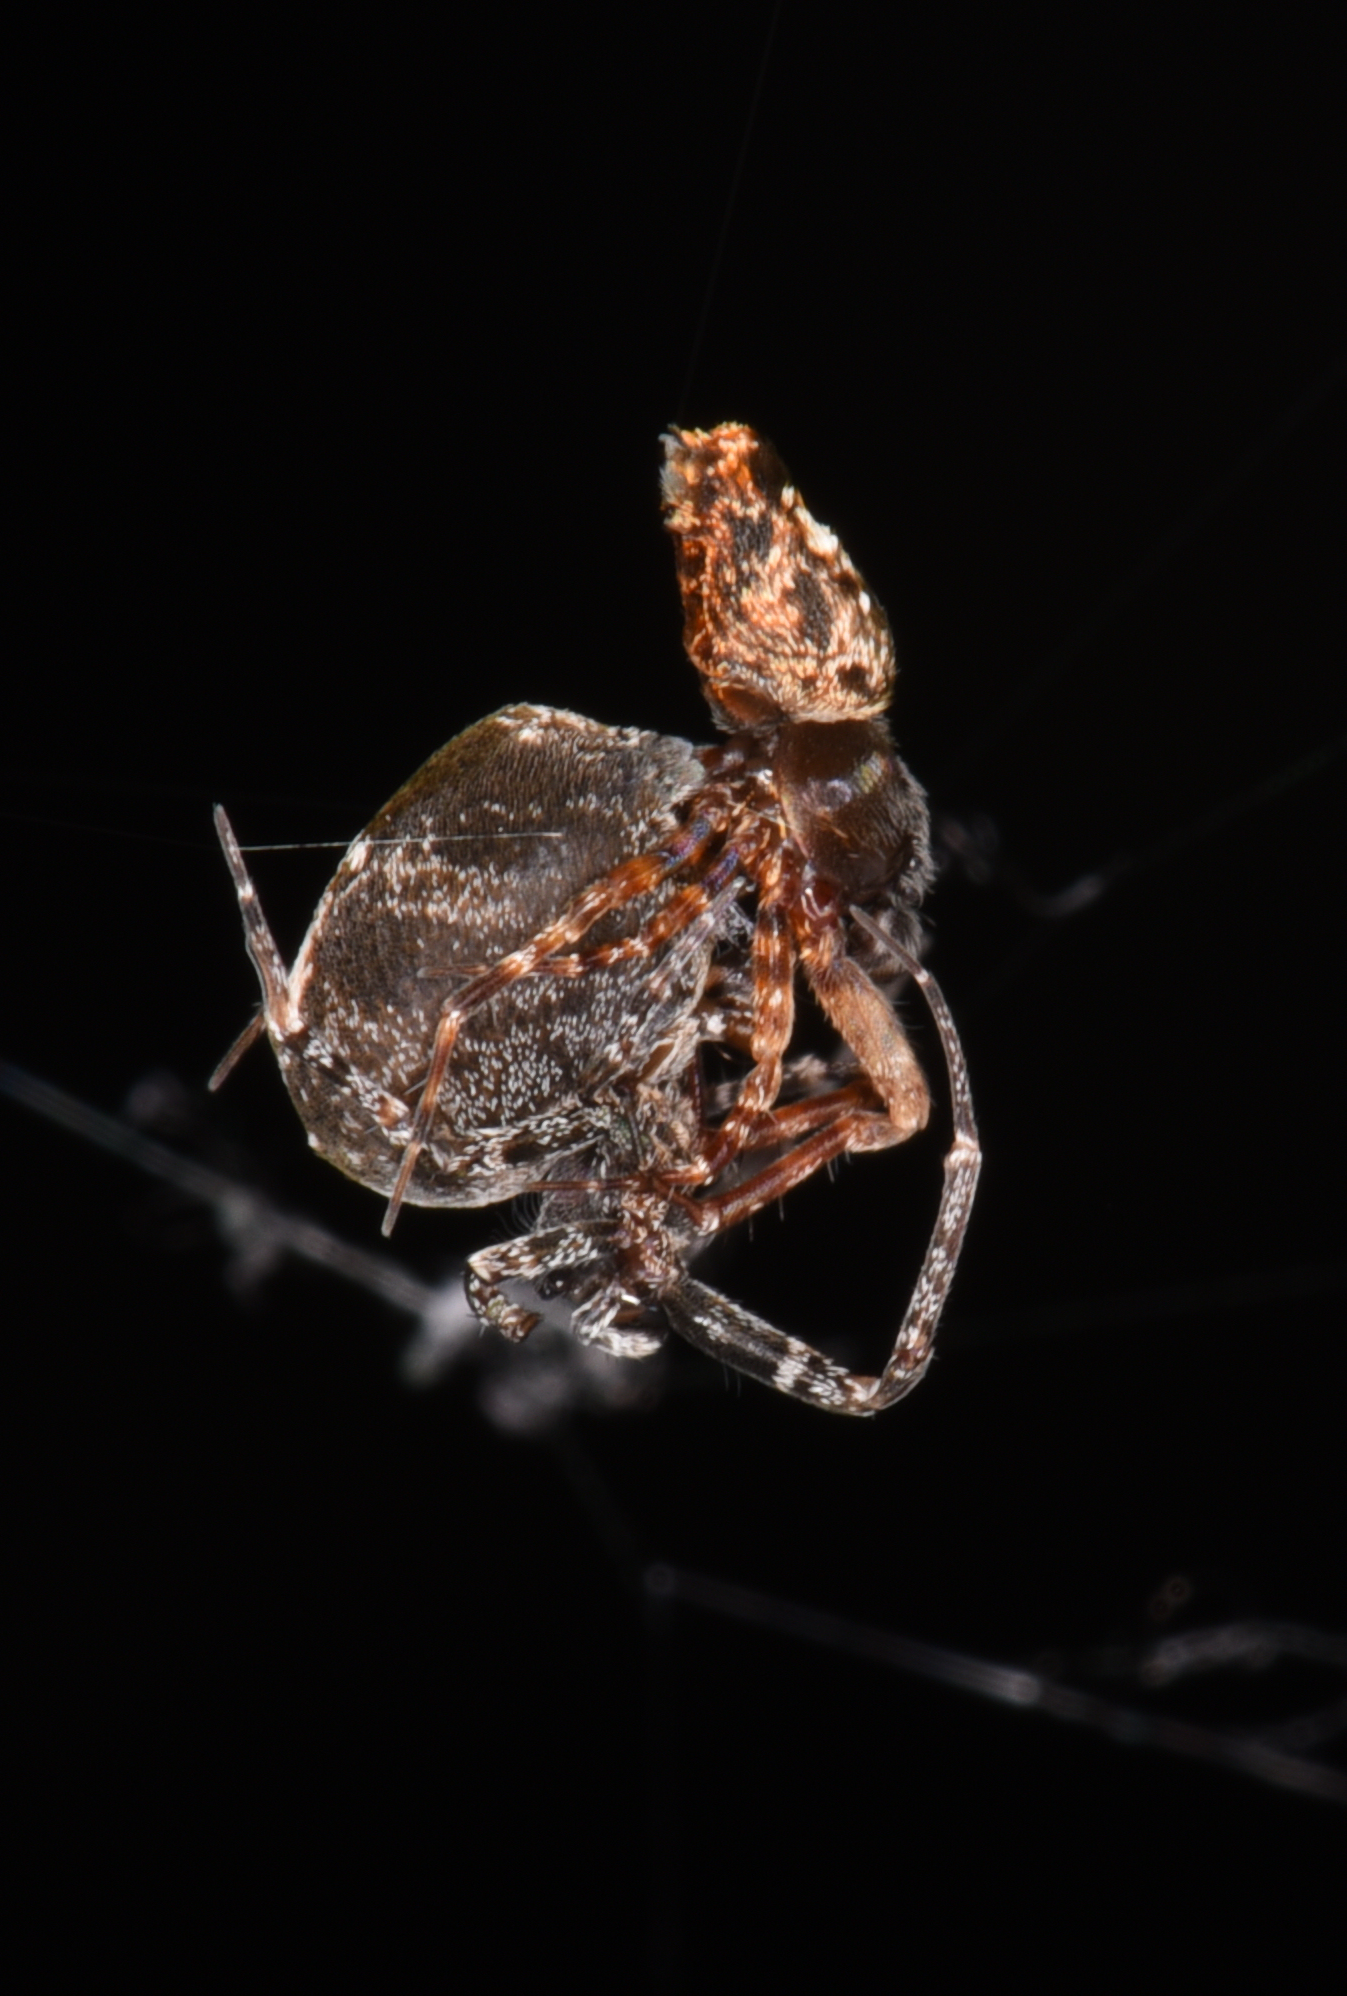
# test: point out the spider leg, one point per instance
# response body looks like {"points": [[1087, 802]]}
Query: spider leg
{"points": [[806, 1077], [825, 1127], [847, 1128], [521, 1260], [773, 1024], [546, 1254], [963, 1162], [787, 920], [866, 1021], [251, 1033], [769, 1019], [788, 1124], [744, 1342], [267, 959], [690, 906]]}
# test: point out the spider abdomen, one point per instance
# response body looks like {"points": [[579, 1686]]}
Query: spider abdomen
{"points": [[485, 845]]}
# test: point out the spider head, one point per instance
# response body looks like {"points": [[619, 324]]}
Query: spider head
{"points": [[776, 618], [853, 809]]}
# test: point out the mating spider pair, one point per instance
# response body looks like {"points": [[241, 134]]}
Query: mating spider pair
{"points": [[508, 984]]}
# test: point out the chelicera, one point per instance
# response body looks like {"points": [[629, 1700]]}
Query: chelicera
{"points": [[509, 984]]}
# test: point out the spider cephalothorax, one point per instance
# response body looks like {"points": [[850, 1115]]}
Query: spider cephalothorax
{"points": [[510, 982]]}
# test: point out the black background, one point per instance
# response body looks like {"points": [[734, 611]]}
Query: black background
{"points": [[348, 362]]}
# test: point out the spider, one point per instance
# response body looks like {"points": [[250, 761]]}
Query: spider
{"points": [[444, 1040], [806, 801]]}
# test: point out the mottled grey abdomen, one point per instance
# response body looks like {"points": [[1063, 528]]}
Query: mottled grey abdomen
{"points": [[489, 842]]}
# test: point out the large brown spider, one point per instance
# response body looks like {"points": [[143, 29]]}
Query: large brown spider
{"points": [[577, 1072]]}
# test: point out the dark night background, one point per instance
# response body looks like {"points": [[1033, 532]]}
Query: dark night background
{"points": [[347, 362]]}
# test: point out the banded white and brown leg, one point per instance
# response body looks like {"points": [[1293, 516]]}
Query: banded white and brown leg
{"points": [[546, 1254], [267, 959]]}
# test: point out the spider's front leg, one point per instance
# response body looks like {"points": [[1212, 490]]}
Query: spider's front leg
{"points": [[724, 1330], [550, 1257], [860, 1012]]}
